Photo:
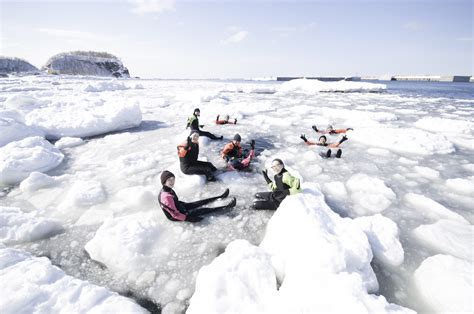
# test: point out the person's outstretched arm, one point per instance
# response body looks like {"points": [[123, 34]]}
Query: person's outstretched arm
{"points": [[306, 141], [342, 140]]}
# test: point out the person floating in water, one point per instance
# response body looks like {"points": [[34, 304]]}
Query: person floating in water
{"points": [[323, 142], [188, 153], [285, 184], [176, 210], [233, 155], [330, 130], [225, 121], [193, 123]]}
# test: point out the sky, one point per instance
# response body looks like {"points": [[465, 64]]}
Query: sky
{"points": [[244, 39]]}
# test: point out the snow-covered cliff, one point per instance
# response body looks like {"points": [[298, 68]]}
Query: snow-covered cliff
{"points": [[86, 63], [15, 65]]}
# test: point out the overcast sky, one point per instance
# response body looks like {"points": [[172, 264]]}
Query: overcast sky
{"points": [[240, 39]]}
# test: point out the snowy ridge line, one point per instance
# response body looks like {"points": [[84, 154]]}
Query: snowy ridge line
{"points": [[309, 260], [33, 285]]}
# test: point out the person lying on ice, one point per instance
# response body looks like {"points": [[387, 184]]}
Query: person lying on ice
{"points": [[331, 130], [323, 142], [176, 210], [226, 121], [188, 153], [193, 123], [232, 154], [285, 184]]}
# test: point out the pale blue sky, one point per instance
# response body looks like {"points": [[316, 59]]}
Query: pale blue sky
{"points": [[236, 39]]}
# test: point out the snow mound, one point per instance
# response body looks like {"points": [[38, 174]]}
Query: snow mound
{"points": [[432, 209], [36, 181], [21, 102], [445, 283], [383, 238], [19, 159], [86, 63], [17, 226], [448, 237], [447, 126], [15, 65], [33, 285], [105, 86], [369, 195], [315, 86], [318, 258], [13, 130], [403, 140], [76, 120], [67, 142]]}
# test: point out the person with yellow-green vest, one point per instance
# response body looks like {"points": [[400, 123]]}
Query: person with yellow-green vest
{"points": [[285, 184], [193, 123]]}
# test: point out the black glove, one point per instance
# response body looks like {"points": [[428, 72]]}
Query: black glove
{"points": [[350, 129], [201, 126], [265, 175], [303, 137], [343, 139], [252, 144], [315, 128], [188, 142], [193, 218]]}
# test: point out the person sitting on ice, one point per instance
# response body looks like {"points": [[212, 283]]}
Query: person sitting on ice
{"points": [[193, 123], [226, 120], [330, 130], [233, 155], [176, 210], [323, 142], [285, 184], [188, 153]]}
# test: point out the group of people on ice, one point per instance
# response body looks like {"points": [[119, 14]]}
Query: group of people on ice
{"points": [[237, 158]]}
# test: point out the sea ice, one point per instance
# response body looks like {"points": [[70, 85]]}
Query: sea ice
{"points": [[461, 185], [369, 195], [33, 285], [36, 181], [20, 158], [13, 130], [316, 86], [448, 237], [66, 142], [17, 226], [432, 209], [445, 283]]}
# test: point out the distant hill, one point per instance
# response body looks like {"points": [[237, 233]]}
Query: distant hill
{"points": [[86, 63], [15, 65]]}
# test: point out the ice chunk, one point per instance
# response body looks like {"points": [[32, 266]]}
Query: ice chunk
{"points": [[36, 181], [403, 140], [318, 258], [431, 208], [22, 102], [75, 119], [85, 194], [426, 172], [315, 86], [443, 125], [445, 283], [105, 86], [370, 195], [383, 237], [18, 226], [32, 285], [244, 272], [448, 237], [461, 185], [13, 130], [127, 243], [19, 159], [66, 142]]}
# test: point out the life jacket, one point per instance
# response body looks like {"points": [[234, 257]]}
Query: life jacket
{"points": [[232, 151], [279, 181], [193, 122]]}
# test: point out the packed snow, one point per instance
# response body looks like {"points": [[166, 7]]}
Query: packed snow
{"points": [[352, 241]]}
